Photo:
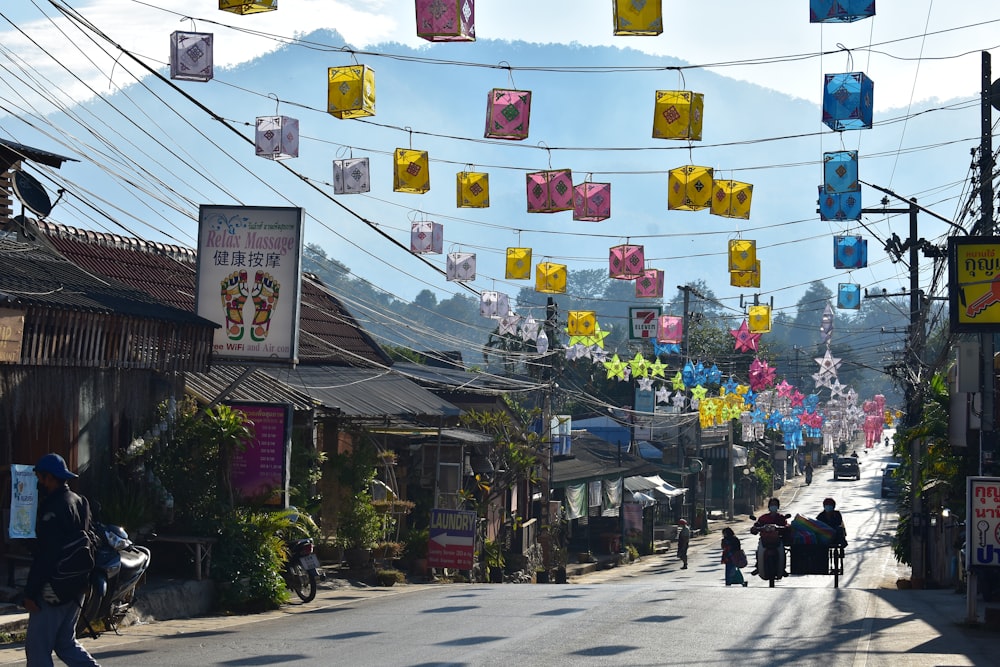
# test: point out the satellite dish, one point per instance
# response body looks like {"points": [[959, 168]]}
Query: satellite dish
{"points": [[32, 194]]}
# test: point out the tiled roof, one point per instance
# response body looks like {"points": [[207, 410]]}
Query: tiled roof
{"points": [[327, 332]]}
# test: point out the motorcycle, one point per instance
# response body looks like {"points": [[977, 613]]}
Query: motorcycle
{"points": [[119, 566], [770, 550], [302, 568]]}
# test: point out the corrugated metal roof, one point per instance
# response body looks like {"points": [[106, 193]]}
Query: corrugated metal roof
{"points": [[257, 386], [452, 379], [11, 151], [33, 275], [365, 393], [593, 458], [328, 333]]}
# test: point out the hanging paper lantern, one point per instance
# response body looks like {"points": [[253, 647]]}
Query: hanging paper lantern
{"points": [[742, 255], [461, 266], [840, 172], [759, 319], [277, 137], [350, 91], [848, 100], [840, 11], [550, 278], [626, 262], [351, 176], [191, 56], [518, 264], [426, 237], [638, 18], [689, 188], [412, 173], [731, 199], [839, 206], [745, 278], [592, 202], [581, 323], [494, 304], [472, 189], [850, 252], [849, 296], [507, 114], [446, 20], [248, 6], [669, 329], [650, 284], [678, 114], [550, 191]]}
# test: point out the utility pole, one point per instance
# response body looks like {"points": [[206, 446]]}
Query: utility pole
{"points": [[547, 330]]}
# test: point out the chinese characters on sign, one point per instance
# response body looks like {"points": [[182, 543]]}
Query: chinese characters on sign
{"points": [[249, 268], [259, 471], [983, 523]]}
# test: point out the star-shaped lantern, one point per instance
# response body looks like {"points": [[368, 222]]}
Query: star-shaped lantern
{"points": [[596, 338], [828, 363], [677, 382], [785, 389], [529, 329], [645, 384], [657, 369], [663, 394], [616, 368], [679, 400], [639, 366], [666, 348], [509, 324], [698, 392], [745, 341]]}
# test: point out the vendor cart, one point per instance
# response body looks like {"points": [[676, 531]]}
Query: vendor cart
{"points": [[818, 559]]}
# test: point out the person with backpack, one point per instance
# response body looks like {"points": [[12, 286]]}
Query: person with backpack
{"points": [[59, 572]]}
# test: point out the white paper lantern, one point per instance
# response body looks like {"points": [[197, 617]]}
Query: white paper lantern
{"points": [[191, 56], [277, 137], [461, 266], [351, 176]]}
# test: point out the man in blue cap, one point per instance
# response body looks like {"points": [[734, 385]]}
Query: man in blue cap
{"points": [[63, 516]]}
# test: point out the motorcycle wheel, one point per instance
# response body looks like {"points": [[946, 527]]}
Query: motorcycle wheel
{"points": [[302, 582]]}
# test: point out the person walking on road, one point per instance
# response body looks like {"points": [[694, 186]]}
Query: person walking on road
{"points": [[62, 518], [733, 557], [683, 539]]}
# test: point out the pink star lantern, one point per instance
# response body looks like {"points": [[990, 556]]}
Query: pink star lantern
{"points": [[745, 341], [784, 389], [796, 397]]}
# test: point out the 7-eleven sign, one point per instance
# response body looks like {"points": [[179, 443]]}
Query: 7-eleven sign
{"points": [[643, 322]]}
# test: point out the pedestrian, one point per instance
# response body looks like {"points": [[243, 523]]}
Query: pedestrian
{"points": [[733, 557], [63, 516], [833, 518], [683, 539]]}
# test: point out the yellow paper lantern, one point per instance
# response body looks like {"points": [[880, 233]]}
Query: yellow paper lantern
{"points": [[472, 189], [248, 6], [518, 264], [412, 172], [742, 255], [678, 114], [759, 319], [638, 19], [731, 199], [350, 91], [581, 323], [689, 188], [550, 278], [745, 278]]}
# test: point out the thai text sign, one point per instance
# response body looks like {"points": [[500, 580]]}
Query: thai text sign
{"points": [[643, 322], [974, 279], [259, 472], [452, 539], [982, 526], [249, 272]]}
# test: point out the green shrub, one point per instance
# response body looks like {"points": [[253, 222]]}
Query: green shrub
{"points": [[389, 577]]}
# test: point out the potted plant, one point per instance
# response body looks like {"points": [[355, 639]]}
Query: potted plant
{"points": [[358, 530], [389, 577], [495, 560], [415, 550]]}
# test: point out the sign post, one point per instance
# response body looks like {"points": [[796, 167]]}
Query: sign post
{"points": [[452, 539], [982, 531]]}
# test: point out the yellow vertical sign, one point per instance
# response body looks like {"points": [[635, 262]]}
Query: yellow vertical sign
{"points": [[975, 283]]}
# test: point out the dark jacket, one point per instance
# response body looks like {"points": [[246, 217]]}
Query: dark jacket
{"points": [[62, 514], [730, 548]]}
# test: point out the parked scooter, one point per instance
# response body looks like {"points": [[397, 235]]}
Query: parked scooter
{"points": [[302, 568], [119, 566], [770, 550]]}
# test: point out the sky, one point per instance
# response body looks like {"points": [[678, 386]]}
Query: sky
{"points": [[921, 55]]}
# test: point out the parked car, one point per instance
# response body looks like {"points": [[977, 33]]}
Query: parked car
{"points": [[846, 466], [890, 483]]}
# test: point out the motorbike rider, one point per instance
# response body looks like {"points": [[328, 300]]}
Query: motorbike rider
{"points": [[833, 518], [809, 472], [777, 519]]}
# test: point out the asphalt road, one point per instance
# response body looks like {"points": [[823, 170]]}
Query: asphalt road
{"points": [[650, 613]]}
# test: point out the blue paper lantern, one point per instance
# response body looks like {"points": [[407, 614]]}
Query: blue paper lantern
{"points": [[848, 100], [840, 171], [848, 296], [850, 252], [839, 206], [840, 11]]}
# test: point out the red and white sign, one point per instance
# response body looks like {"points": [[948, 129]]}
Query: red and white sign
{"points": [[643, 322]]}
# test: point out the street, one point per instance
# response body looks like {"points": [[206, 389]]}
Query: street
{"points": [[649, 613]]}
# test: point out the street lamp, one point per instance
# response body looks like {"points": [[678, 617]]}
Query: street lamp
{"points": [[750, 476]]}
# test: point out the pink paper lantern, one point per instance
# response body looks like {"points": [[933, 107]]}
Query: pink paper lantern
{"points": [[650, 284], [670, 329], [507, 114], [592, 202], [446, 20], [550, 191], [626, 262]]}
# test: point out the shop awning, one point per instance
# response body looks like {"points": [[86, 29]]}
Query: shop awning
{"points": [[653, 483]]}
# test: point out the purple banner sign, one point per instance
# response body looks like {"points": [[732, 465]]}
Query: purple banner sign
{"points": [[258, 472]]}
